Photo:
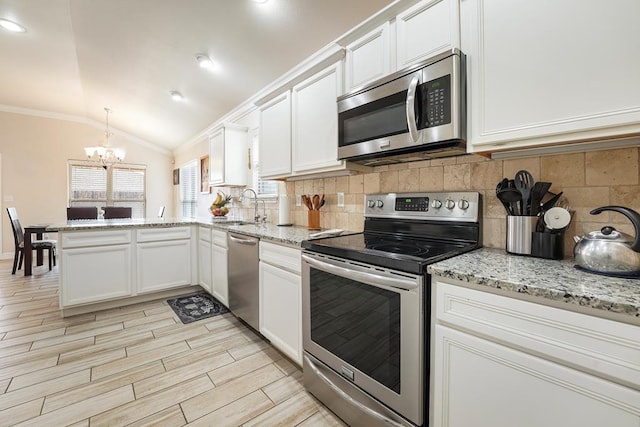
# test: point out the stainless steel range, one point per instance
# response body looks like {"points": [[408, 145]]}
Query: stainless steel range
{"points": [[365, 305]]}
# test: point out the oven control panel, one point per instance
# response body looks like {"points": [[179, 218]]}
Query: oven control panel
{"points": [[436, 206]]}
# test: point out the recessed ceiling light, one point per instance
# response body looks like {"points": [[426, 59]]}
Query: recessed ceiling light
{"points": [[176, 96], [260, 1], [12, 26], [204, 61]]}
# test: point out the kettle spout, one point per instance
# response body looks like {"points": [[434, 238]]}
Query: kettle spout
{"points": [[577, 238]]}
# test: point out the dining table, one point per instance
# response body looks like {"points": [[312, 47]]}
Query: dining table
{"points": [[38, 230]]}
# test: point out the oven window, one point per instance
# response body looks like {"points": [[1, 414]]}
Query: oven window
{"points": [[358, 323]]}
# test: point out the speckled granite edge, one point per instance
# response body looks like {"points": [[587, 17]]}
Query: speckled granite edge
{"points": [[546, 279], [291, 235]]}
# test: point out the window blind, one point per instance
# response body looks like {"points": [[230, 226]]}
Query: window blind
{"points": [[189, 189], [128, 189], [264, 188], [88, 186]]}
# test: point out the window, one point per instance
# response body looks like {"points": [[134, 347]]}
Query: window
{"points": [[264, 188], [120, 185], [189, 189]]}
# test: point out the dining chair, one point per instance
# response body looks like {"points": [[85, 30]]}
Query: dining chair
{"points": [[112, 212], [161, 212], [74, 213], [18, 238]]}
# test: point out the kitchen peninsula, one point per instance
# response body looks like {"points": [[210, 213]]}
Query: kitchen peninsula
{"points": [[107, 263]]}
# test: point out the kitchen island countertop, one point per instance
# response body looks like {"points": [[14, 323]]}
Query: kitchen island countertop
{"points": [[545, 281], [290, 235]]}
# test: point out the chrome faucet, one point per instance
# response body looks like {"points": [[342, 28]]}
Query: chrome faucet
{"points": [[256, 217]]}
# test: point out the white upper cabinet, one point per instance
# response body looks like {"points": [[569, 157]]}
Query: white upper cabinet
{"points": [[368, 58], [426, 29], [550, 71], [228, 156], [315, 121], [275, 137]]}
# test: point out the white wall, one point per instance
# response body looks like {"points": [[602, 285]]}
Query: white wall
{"points": [[35, 152]]}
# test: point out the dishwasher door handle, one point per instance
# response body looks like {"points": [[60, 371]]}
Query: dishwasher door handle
{"points": [[243, 241]]}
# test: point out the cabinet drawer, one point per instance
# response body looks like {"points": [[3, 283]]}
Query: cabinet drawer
{"points": [[158, 234], [204, 234], [220, 238], [281, 256], [95, 238], [600, 346]]}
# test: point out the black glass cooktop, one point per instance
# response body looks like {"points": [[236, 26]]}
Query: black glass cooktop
{"points": [[409, 254]]}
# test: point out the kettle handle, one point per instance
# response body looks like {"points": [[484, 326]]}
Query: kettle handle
{"points": [[633, 216]]}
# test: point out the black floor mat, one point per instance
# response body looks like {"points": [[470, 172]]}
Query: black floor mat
{"points": [[196, 307]]}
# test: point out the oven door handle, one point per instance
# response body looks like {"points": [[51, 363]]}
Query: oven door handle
{"points": [[411, 109], [360, 276], [350, 399]]}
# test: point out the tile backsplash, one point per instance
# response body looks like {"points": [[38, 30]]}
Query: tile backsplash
{"points": [[588, 180]]}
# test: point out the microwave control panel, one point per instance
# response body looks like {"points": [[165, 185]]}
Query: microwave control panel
{"points": [[436, 96]]}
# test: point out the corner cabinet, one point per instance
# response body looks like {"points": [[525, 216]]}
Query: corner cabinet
{"points": [[204, 258], [219, 269], [502, 362], [426, 29], [229, 156], [275, 137], [549, 72], [281, 298]]}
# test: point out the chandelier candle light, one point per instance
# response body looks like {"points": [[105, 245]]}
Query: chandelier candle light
{"points": [[105, 155]]}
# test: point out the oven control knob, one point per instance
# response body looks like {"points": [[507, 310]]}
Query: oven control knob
{"points": [[436, 204], [449, 204], [370, 203], [463, 204], [379, 203]]}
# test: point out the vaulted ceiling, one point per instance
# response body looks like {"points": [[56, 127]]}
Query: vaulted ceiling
{"points": [[79, 56]]}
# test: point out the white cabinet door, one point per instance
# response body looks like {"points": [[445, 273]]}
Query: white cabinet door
{"points": [[204, 257], [280, 310], [228, 156], [315, 121], [219, 275], [163, 265], [426, 29], [368, 58], [92, 274], [275, 137], [481, 383], [550, 72]]}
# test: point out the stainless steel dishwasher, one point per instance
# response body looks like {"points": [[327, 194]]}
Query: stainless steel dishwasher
{"points": [[244, 296]]}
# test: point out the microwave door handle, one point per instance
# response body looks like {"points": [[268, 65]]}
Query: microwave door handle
{"points": [[411, 109]]}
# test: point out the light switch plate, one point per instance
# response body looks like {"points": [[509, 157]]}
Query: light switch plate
{"points": [[341, 200], [8, 198], [298, 200]]}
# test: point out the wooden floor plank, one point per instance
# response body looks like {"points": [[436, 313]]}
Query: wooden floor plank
{"points": [[138, 366]]}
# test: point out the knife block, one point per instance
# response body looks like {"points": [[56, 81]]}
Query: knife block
{"points": [[313, 220]]}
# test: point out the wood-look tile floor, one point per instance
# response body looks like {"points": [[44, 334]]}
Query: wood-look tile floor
{"points": [[138, 366]]}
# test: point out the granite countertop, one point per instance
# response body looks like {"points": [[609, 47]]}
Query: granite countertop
{"points": [[545, 279], [290, 235]]}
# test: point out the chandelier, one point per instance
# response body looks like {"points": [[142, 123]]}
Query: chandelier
{"points": [[104, 154]]}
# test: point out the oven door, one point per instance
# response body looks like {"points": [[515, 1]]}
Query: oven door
{"points": [[367, 325]]}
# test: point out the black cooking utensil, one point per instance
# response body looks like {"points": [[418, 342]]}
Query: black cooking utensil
{"points": [[524, 182], [551, 202], [510, 197], [538, 191], [502, 185]]}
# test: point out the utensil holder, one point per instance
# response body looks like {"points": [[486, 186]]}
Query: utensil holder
{"points": [[547, 245], [519, 229], [313, 220]]}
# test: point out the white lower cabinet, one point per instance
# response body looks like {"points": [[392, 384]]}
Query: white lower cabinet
{"points": [[219, 279], [163, 258], [204, 258], [92, 274], [501, 362], [281, 298]]}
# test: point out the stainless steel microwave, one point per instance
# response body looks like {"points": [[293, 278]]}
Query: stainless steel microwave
{"points": [[414, 114]]}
